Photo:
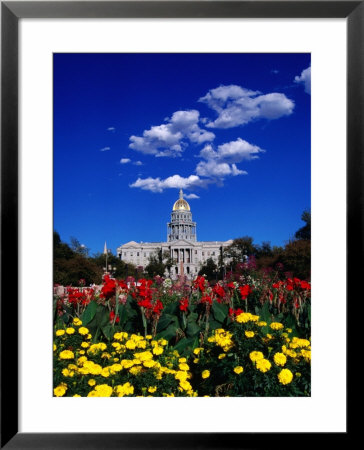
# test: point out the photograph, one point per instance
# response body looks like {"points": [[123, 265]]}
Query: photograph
{"points": [[181, 225]]}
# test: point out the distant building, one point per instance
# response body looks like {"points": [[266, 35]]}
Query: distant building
{"points": [[186, 252]]}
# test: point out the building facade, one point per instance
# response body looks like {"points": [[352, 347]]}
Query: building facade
{"points": [[188, 255]]}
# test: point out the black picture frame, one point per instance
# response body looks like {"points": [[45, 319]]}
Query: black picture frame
{"points": [[11, 12]]}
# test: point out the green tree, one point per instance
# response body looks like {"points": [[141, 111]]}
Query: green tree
{"points": [[305, 232], [209, 270], [155, 265], [296, 258], [122, 268]]}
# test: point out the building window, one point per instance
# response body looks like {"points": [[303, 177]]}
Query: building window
{"points": [[137, 253], [213, 253], [131, 254], [195, 252], [145, 254], [176, 270], [203, 253]]}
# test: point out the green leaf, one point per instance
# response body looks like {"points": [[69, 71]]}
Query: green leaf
{"points": [[172, 308], [192, 329], [164, 321], [169, 333], [89, 313], [219, 311], [185, 345], [107, 330]]}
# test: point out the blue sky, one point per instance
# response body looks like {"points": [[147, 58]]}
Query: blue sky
{"points": [[130, 130]]}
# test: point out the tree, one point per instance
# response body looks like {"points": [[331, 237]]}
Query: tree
{"points": [[122, 269], [240, 249], [209, 270], [77, 247], [305, 232], [156, 265], [296, 258]]}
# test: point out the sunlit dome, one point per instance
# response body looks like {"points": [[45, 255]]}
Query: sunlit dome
{"points": [[181, 204]]}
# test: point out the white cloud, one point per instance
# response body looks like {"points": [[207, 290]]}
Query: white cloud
{"points": [[137, 163], [305, 79], [232, 152], [190, 196], [172, 182], [125, 160], [238, 106], [111, 129], [216, 169], [169, 139], [105, 149]]}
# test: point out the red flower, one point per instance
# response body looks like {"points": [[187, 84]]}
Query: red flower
{"points": [[112, 316], [219, 292], [158, 306], [183, 304], [245, 291], [199, 283], [206, 299]]}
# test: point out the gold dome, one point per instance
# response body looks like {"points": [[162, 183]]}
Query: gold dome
{"points": [[181, 204]]}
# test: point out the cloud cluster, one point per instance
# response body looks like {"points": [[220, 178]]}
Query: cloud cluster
{"points": [[105, 149], [237, 106], [172, 182], [169, 139], [305, 79], [214, 167]]}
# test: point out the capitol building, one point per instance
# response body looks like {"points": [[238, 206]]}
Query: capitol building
{"points": [[188, 255]]}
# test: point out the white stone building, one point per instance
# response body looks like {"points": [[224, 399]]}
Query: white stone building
{"points": [[186, 252]]}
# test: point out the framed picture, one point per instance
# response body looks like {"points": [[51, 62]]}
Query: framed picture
{"points": [[46, 58]]}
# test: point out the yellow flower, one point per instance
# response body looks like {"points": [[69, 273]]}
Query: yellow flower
{"points": [[222, 355], [149, 337], [280, 359], [181, 375], [243, 317], [91, 382], [196, 361], [130, 344], [125, 389], [238, 369], [102, 390], [262, 323], [158, 350], [263, 365], [60, 390], [205, 374], [185, 385], [276, 326], [298, 374], [184, 366], [135, 370], [105, 372], [285, 376], [255, 356], [85, 345], [182, 360], [82, 352], [77, 395], [152, 389], [54, 347], [70, 330], [149, 363], [77, 322], [249, 334], [60, 332], [66, 354], [197, 350], [83, 331]]}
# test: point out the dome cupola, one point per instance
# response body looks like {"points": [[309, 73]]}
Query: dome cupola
{"points": [[181, 204]]}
